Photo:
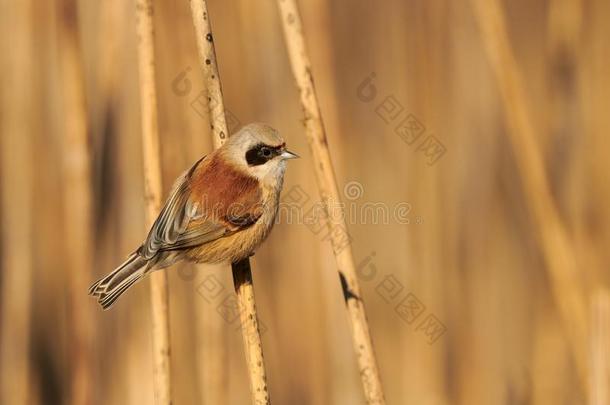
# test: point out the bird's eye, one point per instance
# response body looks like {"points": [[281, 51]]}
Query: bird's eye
{"points": [[259, 155], [266, 152]]}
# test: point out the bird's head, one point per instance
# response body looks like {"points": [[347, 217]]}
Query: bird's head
{"points": [[258, 150]]}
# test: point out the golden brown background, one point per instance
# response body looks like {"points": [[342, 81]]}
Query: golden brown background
{"points": [[470, 253]]}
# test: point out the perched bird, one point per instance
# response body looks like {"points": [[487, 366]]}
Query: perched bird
{"points": [[220, 210]]}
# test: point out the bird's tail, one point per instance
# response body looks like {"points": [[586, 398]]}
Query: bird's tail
{"points": [[111, 287]]}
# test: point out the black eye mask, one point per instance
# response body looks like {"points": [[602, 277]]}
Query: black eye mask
{"points": [[261, 154]]}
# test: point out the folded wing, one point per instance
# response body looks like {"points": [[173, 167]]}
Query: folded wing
{"points": [[202, 208]]}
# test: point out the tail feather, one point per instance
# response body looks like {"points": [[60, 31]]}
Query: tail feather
{"points": [[109, 288]]}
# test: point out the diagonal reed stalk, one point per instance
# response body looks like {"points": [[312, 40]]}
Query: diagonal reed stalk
{"points": [[153, 190], [327, 185], [78, 201], [242, 274], [557, 249]]}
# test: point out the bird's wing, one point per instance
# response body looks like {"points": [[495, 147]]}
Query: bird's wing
{"points": [[184, 222]]}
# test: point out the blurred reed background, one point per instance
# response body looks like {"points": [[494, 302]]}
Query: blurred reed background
{"points": [[462, 301]]}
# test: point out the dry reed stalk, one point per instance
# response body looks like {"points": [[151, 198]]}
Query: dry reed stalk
{"points": [[16, 125], [555, 243], [209, 66], [78, 201], [600, 349], [153, 190], [242, 274], [327, 185]]}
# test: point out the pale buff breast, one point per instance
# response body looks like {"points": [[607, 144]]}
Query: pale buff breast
{"points": [[243, 243]]}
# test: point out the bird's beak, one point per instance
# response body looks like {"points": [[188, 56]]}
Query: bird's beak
{"points": [[289, 155]]}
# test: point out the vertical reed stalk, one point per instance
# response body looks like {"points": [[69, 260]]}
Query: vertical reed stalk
{"points": [[327, 185], [78, 200], [152, 190], [242, 274], [16, 126], [557, 249], [600, 349]]}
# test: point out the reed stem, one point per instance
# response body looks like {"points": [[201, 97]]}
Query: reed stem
{"points": [[153, 190], [242, 273], [327, 185]]}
